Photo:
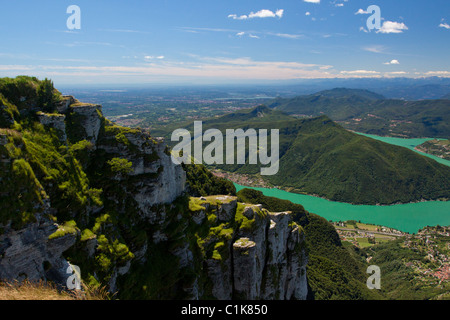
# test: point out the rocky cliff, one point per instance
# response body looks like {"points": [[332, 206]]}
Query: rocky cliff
{"points": [[75, 188], [249, 253]]}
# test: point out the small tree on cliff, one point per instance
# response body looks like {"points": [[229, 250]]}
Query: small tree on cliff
{"points": [[46, 98]]}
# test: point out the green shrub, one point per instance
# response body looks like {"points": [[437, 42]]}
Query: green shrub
{"points": [[120, 165]]}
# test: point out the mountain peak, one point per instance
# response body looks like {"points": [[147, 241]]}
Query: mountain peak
{"points": [[346, 92], [261, 111]]}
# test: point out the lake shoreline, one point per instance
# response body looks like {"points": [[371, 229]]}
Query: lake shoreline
{"points": [[241, 178], [409, 217]]}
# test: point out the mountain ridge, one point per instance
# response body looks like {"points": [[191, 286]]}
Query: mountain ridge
{"points": [[367, 112], [77, 190], [320, 157]]}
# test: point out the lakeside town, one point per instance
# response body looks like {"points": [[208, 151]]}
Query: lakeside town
{"points": [[246, 180], [433, 243], [362, 235], [429, 249]]}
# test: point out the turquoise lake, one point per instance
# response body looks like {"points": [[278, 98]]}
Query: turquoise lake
{"points": [[405, 217], [407, 143]]}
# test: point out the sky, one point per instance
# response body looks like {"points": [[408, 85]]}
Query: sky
{"points": [[229, 41]]}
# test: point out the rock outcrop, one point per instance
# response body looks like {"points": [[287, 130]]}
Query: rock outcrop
{"points": [[28, 252], [89, 117], [249, 253], [31, 253], [56, 121], [125, 220]]}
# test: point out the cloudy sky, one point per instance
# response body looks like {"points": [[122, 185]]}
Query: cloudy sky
{"points": [[228, 41]]}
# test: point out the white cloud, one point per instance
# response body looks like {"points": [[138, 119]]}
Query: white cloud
{"points": [[339, 4], [15, 68], [395, 74], [123, 30], [285, 35], [307, 13], [392, 62], [437, 74], [197, 30], [203, 67], [375, 48], [444, 25], [264, 13], [312, 1], [361, 11], [359, 72], [392, 27], [242, 33], [235, 17], [153, 57]]}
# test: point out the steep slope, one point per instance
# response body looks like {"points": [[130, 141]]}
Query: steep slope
{"points": [[413, 119], [367, 112], [76, 189], [329, 161], [333, 271], [318, 156], [338, 104]]}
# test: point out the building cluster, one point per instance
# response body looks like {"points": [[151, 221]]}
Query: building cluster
{"points": [[434, 244]]}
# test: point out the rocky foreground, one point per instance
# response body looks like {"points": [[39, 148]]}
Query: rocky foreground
{"points": [[109, 200]]}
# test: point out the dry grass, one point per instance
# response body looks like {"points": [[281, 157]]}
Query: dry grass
{"points": [[41, 290]]}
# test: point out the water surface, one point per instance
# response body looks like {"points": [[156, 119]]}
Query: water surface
{"points": [[408, 217], [405, 217]]}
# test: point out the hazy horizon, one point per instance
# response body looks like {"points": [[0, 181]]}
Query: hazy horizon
{"points": [[210, 42]]}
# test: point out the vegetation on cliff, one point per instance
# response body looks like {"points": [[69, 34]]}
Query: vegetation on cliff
{"points": [[334, 272], [115, 192]]}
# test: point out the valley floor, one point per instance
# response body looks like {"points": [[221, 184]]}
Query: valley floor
{"points": [[412, 266]]}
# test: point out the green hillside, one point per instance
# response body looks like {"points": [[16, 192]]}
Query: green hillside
{"points": [[318, 156], [367, 112], [327, 160], [338, 104]]}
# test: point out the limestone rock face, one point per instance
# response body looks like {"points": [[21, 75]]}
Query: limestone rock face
{"points": [[63, 106], [89, 117], [256, 254], [158, 179], [215, 247], [29, 254], [55, 121]]}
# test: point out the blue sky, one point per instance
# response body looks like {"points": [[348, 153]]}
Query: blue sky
{"points": [[198, 41]]}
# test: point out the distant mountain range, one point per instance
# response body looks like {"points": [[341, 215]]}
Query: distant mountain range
{"points": [[391, 88], [368, 112]]}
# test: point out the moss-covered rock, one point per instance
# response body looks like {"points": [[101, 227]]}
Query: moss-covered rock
{"points": [[113, 203]]}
